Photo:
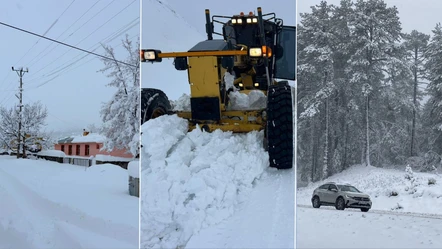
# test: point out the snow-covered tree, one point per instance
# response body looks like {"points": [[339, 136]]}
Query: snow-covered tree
{"points": [[121, 115], [416, 43], [433, 108], [33, 120]]}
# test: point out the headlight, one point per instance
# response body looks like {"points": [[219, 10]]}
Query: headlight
{"points": [[149, 55], [255, 52], [241, 84], [256, 84]]}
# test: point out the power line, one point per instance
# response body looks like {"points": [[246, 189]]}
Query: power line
{"points": [[44, 83], [67, 45], [38, 55], [94, 47], [53, 24]]}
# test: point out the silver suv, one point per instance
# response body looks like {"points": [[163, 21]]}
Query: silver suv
{"points": [[341, 196]]}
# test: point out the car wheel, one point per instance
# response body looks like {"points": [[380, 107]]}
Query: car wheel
{"points": [[340, 203], [315, 202], [365, 209]]}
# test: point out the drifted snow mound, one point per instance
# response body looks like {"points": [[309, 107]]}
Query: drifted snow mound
{"points": [[182, 104], [256, 99], [192, 180]]}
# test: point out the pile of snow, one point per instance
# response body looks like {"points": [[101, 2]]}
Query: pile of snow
{"points": [[90, 138], [44, 205], [51, 153], [182, 104], [133, 168], [389, 189], [228, 80], [109, 158], [193, 180], [255, 100]]}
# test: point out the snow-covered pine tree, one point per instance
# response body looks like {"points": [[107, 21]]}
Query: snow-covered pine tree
{"points": [[376, 31], [416, 43], [121, 115], [433, 108]]}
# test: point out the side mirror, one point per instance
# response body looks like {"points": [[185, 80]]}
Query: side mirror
{"points": [[227, 62]]}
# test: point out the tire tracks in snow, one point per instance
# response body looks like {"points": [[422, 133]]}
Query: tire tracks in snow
{"points": [[54, 215], [378, 211]]}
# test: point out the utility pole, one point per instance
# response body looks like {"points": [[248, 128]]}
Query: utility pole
{"points": [[20, 72]]}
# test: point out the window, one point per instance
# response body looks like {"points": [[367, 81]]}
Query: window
{"points": [[77, 152], [86, 151], [325, 186], [98, 146], [62, 147], [333, 187], [70, 149]]}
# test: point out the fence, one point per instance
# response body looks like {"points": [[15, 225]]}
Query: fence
{"points": [[78, 161]]}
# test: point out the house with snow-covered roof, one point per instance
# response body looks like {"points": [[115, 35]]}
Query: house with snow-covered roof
{"points": [[90, 144]]}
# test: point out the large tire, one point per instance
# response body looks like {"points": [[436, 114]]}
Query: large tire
{"points": [[154, 103], [280, 126]]}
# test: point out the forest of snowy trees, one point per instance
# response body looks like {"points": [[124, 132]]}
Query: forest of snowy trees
{"points": [[368, 93]]}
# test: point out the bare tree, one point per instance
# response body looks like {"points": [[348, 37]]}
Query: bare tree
{"points": [[33, 120]]}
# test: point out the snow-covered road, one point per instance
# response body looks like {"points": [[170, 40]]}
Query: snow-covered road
{"points": [[328, 228], [264, 221], [33, 217]]}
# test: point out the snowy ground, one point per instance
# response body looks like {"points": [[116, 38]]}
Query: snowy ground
{"points": [[417, 224], [380, 183], [50, 205], [328, 228], [211, 190]]}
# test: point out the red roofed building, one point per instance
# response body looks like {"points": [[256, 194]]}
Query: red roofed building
{"points": [[87, 145]]}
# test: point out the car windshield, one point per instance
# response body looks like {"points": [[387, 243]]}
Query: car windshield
{"points": [[347, 188]]}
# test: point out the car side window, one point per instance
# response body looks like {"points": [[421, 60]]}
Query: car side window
{"points": [[333, 187], [325, 186]]}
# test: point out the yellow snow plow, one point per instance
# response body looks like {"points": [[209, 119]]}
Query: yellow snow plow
{"points": [[253, 51]]}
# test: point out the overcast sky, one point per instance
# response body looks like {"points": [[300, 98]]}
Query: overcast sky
{"points": [[177, 25], [420, 15], [72, 93]]}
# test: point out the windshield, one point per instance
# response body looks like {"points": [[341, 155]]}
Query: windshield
{"points": [[347, 188]]}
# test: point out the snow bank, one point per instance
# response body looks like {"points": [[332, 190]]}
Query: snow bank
{"points": [[256, 99], [133, 168], [192, 180], [383, 185], [182, 104], [52, 153], [109, 158], [90, 138]]}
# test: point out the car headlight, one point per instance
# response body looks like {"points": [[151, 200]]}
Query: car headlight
{"points": [[348, 196], [255, 52]]}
